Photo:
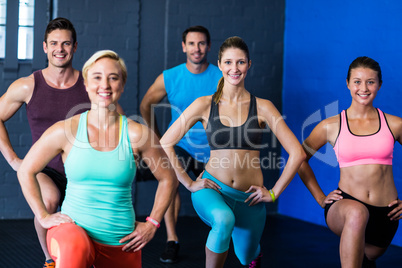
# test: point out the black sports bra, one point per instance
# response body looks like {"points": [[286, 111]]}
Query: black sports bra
{"points": [[247, 136]]}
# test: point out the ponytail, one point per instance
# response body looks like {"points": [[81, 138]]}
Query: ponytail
{"points": [[218, 94]]}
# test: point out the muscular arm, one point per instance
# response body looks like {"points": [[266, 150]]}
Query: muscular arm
{"points": [[46, 148], [194, 113], [17, 94], [324, 132], [154, 95], [145, 143], [288, 141]]}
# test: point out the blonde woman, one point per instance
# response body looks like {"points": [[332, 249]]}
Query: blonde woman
{"points": [[96, 225]]}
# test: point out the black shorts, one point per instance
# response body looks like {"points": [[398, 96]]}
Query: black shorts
{"points": [[380, 230], [59, 179]]}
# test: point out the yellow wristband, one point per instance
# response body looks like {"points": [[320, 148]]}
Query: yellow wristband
{"points": [[272, 195]]}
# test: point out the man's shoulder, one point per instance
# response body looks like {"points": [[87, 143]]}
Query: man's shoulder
{"points": [[25, 83]]}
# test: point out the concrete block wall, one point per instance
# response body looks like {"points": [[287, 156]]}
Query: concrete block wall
{"points": [[147, 34]]}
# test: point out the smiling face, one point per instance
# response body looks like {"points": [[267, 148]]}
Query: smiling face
{"points": [[196, 47], [363, 84], [104, 82], [234, 65], [60, 48]]}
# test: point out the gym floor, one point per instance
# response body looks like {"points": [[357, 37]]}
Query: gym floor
{"points": [[286, 243]]}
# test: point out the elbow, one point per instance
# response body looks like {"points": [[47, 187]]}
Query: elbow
{"points": [[144, 107], [299, 155], [21, 175]]}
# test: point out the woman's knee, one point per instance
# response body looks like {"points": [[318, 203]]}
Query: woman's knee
{"points": [[68, 239], [224, 222], [347, 214], [357, 217]]}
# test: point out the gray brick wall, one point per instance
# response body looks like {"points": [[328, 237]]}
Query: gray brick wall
{"points": [[147, 34]]}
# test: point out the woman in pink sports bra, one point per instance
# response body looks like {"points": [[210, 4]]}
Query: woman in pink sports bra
{"points": [[365, 210]]}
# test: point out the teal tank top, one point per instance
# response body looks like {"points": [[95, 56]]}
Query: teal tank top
{"points": [[98, 194]]}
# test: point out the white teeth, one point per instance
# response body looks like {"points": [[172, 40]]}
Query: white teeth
{"points": [[104, 94]]}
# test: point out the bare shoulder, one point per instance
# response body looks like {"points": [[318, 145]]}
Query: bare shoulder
{"points": [[325, 131], [264, 103], [22, 89], [204, 101], [138, 132], [266, 107], [393, 119], [201, 107], [395, 124]]}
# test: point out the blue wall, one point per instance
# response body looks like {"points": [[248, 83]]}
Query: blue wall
{"points": [[321, 39]]}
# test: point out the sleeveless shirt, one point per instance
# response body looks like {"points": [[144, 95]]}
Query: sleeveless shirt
{"points": [[98, 195], [376, 148], [182, 88], [247, 136], [49, 105]]}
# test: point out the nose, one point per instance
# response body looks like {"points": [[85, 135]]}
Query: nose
{"points": [[59, 47], [235, 67], [104, 83]]}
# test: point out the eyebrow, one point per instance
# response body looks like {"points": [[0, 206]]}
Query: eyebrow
{"points": [[108, 74]]}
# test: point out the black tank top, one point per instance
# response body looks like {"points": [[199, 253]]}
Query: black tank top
{"points": [[247, 136]]}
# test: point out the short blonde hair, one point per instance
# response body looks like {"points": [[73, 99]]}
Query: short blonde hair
{"points": [[105, 54]]}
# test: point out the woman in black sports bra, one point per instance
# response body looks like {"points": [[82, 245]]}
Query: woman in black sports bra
{"points": [[230, 195]]}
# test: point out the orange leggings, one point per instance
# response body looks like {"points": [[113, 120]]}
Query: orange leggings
{"points": [[71, 247]]}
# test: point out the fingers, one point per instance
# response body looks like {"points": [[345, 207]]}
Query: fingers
{"points": [[251, 189], [55, 219], [200, 176], [142, 234], [335, 195], [396, 213], [257, 195], [134, 245], [205, 183]]}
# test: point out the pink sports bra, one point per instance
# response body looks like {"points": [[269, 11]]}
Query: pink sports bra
{"points": [[376, 148]]}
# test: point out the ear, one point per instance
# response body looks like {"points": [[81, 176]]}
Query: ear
{"points": [[75, 47], [219, 65], [347, 83], [44, 47], [183, 45], [249, 64]]}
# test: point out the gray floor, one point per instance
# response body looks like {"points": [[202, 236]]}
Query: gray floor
{"points": [[286, 243]]}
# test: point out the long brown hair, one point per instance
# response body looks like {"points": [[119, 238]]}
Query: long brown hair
{"points": [[231, 42]]}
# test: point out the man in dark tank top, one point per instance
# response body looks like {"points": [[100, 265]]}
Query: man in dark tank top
{"points": [[52, 94]]}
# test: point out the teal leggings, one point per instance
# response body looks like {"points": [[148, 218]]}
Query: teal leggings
{"points": [[229, 217]]}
